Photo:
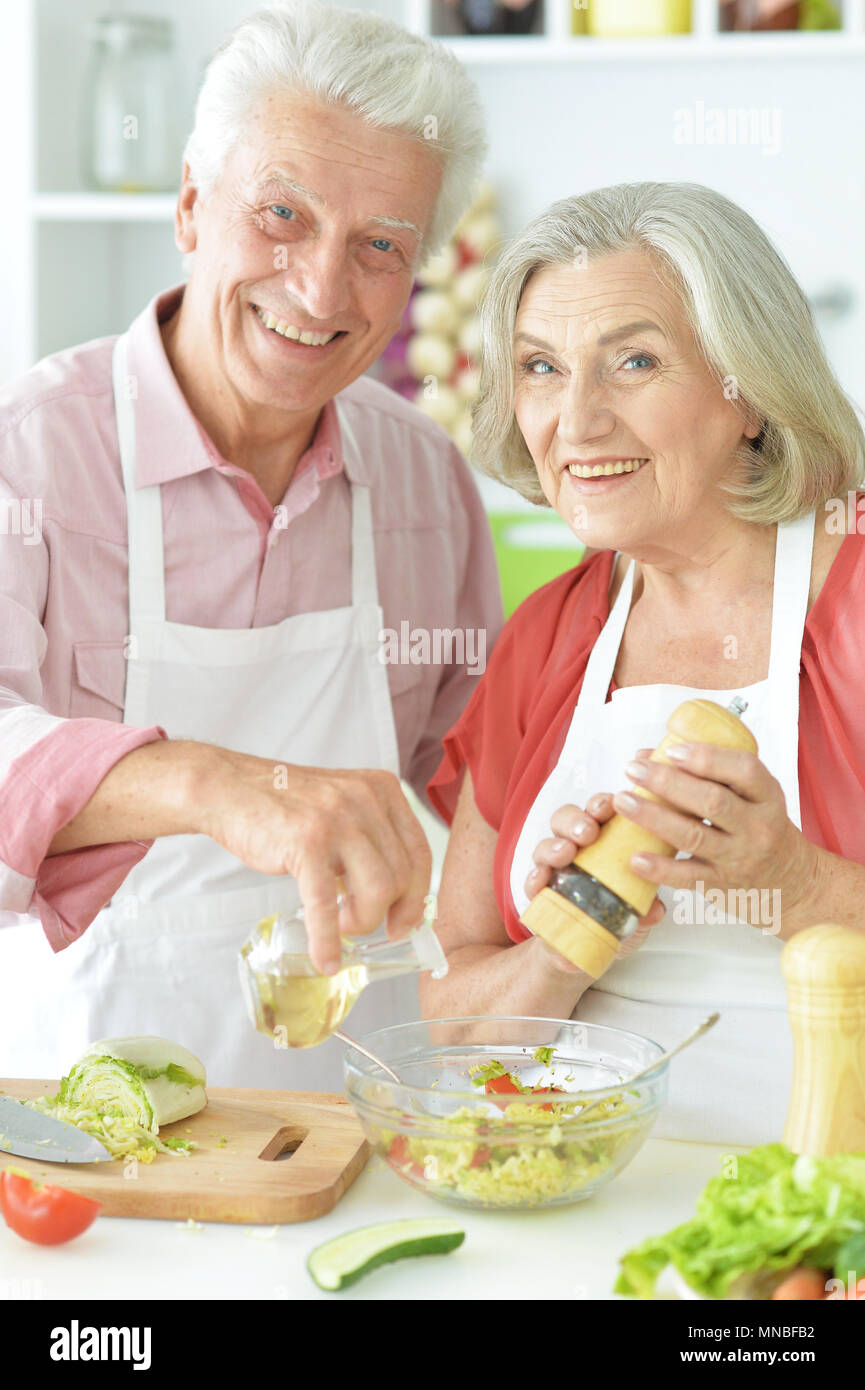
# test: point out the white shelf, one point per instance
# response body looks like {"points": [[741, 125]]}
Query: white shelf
{"points": [[104, 207], [835, 43], [121, 246]]}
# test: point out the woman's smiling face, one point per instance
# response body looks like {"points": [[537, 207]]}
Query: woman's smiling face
{"points": [[627, 425]]}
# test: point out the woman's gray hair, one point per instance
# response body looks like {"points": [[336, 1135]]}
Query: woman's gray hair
{"points": [[748, 314], [394, 79]]}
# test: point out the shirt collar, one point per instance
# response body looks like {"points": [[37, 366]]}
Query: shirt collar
{"points": [[170, 441]]}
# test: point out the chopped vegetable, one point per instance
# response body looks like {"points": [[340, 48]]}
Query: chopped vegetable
{"points": [[800, 1286], [398, 1156], [775, 1212], [548, 1090], [504, 1086], [496, 1081], [507, 1084], [46, 1215], [488, 1158], [487, 1071], [170, 1077], [123, 1089], [342, 1261]]}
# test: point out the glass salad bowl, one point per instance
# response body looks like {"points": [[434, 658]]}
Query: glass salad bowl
{"points": [[506, 1112]]}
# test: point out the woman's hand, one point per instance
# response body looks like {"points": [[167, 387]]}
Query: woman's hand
{"points": [[574, 828], [751, 843]]}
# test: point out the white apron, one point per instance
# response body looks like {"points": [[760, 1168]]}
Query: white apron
{"points": [[161, 957], [733, 1085]]}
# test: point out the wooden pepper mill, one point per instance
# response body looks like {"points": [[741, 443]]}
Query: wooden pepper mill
{"points": [[824, 967], [591, 907]]}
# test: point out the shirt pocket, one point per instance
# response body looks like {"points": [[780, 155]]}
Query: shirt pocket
{"points": [[98, 681]]}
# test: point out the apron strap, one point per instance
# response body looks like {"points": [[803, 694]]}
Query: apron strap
{"points": [[602, 657], [792, 584], [143, 506], [790, 588], [145, 545], [364, 582], [793, 551]]}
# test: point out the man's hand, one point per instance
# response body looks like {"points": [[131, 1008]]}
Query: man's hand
{"points": [[315, 823], [319, 825]]}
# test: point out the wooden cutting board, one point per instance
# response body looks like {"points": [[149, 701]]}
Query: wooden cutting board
{"points": [[242, 1179]]}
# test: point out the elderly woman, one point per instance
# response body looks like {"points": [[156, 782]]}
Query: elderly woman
{"points": [[653, 373]]}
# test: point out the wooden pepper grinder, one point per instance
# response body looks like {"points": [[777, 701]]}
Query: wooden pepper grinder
{"points": [[824, 967], [591, 907]]}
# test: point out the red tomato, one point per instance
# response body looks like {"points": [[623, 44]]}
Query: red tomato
{"points": [[398, 1151], [800, 1286], [46, 1215], [480, 1157], [503, 1086], [548, 1090], [398, 1156]]}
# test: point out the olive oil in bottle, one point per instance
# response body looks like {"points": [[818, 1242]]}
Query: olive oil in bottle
{"points": [[292, 1003]]}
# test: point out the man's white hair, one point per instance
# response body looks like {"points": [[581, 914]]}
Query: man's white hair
{"points": [[394, 79]]}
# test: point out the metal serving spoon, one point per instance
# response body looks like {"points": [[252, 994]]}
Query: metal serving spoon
{"points": [[644, 1071], [351, 1042], [664, 1057]]}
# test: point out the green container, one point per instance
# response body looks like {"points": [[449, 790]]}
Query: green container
{"points": [[531, 550]]}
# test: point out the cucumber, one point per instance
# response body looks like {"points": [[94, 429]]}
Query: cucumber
{"points": [[342, 1261]]}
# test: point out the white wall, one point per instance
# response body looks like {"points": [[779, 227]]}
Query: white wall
{"points": [[562, 130]]}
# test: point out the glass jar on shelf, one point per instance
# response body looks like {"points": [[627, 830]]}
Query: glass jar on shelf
{"points": [[130, 140], [754, 15], [625, 19], [497, 17]]}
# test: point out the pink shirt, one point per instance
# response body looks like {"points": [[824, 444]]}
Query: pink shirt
{"points": [[231, 561]]}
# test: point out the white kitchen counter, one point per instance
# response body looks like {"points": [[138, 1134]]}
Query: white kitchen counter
{"points": [[559, 1252]]}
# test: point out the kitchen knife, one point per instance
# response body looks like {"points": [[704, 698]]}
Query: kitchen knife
{"points": [[30, 1134]]}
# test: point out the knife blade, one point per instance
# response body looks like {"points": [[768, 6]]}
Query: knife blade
{"points": [[28, 1133]]}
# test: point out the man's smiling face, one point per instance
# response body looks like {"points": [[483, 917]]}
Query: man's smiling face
{"points": [[314, 226]]}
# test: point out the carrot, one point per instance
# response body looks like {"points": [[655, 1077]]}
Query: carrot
{"points": [[802, 1285]]}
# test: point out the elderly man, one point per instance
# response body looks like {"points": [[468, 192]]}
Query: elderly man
{"points": [[196, 726]]}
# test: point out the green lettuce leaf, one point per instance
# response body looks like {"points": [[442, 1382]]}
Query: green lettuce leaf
{"points": [[769, 1210]]}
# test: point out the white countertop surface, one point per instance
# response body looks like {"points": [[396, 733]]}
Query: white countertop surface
{"points": [[557, 1252]]}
